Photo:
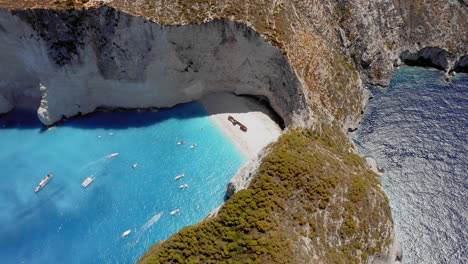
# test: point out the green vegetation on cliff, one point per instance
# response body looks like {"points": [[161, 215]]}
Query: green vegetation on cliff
{"points": [[310, 197]]}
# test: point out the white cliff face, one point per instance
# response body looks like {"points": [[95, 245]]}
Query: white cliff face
{"points": [[105, 58], [17, 77], [5, 105]]}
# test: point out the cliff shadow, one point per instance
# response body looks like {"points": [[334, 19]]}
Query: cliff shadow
{"points": [[121, 118], [230, 103], [20, 117]]}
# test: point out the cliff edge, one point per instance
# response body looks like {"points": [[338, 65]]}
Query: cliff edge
{"points": [[308, 198]]}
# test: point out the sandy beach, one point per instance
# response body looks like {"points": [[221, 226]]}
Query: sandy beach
{"points": [[261, 129]]}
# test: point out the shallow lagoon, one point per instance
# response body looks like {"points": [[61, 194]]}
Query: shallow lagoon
{"points": [[66, 223]]}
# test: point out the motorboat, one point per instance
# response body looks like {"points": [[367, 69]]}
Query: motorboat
{"points": [[112, 155], [175, 212], [134, 165], [194, 145], [180, 142], [126, 233], [183, 186], [44, 182], [110, 134], [88, 181], [179, 176]]}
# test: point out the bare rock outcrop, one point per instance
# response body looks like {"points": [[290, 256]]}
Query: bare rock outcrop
{"points": [[244, 175], [310, 58], [82, 60], [378, 32], [427, 57], [461, 65]]}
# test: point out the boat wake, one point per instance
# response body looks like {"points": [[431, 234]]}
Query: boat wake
{"points": [[95, 167], [92, 164], [147, 226], [151, 222]]}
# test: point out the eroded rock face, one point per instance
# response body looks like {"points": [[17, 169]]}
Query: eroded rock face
{"points": [[377, 32], [80, 60], [462, 64], [427, 57], [106, 58]]}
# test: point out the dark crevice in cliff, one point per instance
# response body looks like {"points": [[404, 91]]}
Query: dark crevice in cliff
{"points": [[427, 57], [265, 102], [461, 65], [435, 57]]}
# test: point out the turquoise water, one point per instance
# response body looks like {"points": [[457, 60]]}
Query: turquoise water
{"points": [[66, 223]]}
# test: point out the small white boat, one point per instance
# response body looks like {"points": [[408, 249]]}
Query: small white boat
{"points": [[179, 176], [44, 182], [183, 186], [194, 145], [134, 165], [126, 233], [110, 134], [175, 212], [112, 155], [87, 182], [180, 142]]}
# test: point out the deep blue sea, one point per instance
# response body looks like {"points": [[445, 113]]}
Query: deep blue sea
{"points": [[66, 223], [417, 130]]}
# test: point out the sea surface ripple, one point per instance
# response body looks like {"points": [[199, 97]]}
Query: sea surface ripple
{"points": [[417, 132], [66, 223]]}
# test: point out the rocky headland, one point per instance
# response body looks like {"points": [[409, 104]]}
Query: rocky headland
{"points": [[308, 198]]}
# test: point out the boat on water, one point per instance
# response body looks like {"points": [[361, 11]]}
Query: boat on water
{"points": [[194, 145], [179, 176], [183, 186], [134, 165], [44, 182], [180, 142], [112, 155], [126, 233], [175, 212], [86, 182]]}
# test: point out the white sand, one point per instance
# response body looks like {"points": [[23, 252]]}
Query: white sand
{"points": [[261, 129]]}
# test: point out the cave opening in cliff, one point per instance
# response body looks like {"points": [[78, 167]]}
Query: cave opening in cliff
{"points": [[265, 103]]}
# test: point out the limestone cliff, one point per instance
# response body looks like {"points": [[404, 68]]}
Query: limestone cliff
{"points": [[377, 32], [321, 40], [82, 60], [310, 58]]}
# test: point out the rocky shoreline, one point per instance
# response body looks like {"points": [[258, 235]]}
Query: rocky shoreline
{"points": [[310, 60]]}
